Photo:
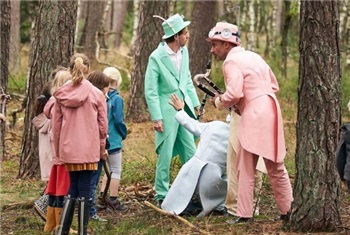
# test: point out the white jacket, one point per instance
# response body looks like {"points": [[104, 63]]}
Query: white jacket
{"points": [[206, 170]]}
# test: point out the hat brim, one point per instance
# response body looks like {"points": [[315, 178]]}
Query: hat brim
{"points": [[184, 25], [223, 40]]}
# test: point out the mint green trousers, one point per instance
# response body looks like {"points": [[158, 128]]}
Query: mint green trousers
{"points": [[180, 142]]}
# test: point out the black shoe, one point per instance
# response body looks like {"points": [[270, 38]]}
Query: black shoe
{"points": [[100, 204], [219, 212], [159, 203], [227, 214], [282, 217], [240, 220], [115, 205]]}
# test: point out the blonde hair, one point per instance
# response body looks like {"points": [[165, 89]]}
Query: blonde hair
{"points": [[79, 67], [60, 79], [114, 75]]}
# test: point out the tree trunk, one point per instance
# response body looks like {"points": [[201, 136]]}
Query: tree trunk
{"points": [[149, 34], [104, 31], [344, 18], [251, 43], [135, 25], [284, 40], [119, 12], [5, 9], [199, 49], [279, 16], [316, 190], [188, 9], [346, 33], [15, 58], [273, 30], [92, 26], [267, 27], [220, 7], [53, 45], [81, 15]]}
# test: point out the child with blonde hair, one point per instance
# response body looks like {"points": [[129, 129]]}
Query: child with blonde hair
{"points": [[116, 134], [79, 131], [58, 179]]}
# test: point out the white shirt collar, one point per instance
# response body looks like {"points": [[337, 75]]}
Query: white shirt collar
{"points": [[176, 57]]}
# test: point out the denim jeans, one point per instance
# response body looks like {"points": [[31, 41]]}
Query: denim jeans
{"points": [[94, 182]]}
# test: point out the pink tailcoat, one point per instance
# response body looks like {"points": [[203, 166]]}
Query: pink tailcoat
{"points": [[251, 85]]}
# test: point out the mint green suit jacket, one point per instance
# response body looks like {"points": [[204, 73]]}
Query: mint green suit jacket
{"points": [[161, 80]]}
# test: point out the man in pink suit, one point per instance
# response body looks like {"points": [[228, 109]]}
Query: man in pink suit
{"points": [[250, 90]]}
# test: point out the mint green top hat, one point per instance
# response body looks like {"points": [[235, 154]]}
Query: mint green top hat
{"points": [[173, 25]]}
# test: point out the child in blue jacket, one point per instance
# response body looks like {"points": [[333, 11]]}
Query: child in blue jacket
{"points": [[116, 134]]}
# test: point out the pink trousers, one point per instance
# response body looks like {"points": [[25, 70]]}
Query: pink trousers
{"points": [[279, 180]]}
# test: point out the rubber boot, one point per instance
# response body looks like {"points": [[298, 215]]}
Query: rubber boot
{"points": [[58, 212], [50, 223], [83, 215], [66, 216]]}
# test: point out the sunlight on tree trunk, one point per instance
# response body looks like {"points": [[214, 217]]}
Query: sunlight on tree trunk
{"points": [[251, 43], [5, 9], [135, 25], [53, 45], [273, 30], [317, 185], [346, 32]]}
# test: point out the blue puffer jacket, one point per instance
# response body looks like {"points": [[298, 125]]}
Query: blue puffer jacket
{"points": [[116, 127]]}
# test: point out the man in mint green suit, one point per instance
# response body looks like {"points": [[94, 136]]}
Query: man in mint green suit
{"points": [[168, 73]]}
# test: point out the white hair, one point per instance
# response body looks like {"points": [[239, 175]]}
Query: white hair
{"points": [[114, 74]]}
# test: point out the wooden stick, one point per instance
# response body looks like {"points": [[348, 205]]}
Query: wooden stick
{"points": [[175, 216], [18, 205]]}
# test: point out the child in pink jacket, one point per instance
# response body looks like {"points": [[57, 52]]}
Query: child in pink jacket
{"points": [[79, 131], [58, 184]]}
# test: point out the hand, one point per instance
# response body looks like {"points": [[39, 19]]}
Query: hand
{"points": [[104, 155], [212, 100], [158, 126], [176, 102]]}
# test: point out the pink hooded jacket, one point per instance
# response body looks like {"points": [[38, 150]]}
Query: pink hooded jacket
{"points": [[79, 123], [251, 85], [42, 123], [48, 113]]}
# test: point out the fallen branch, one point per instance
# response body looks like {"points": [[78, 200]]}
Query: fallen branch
{"points": [[174, 216], [18, 205], [343, 227]]}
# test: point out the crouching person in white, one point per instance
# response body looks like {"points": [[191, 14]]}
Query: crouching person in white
{"points": [[205, 173]]}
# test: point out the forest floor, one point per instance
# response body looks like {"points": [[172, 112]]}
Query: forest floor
{"points": [[17, 197]]}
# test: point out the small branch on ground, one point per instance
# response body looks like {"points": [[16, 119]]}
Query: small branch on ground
{"points": [[18, 205], [175, 216]]}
